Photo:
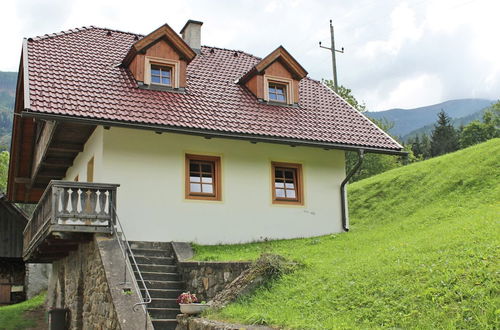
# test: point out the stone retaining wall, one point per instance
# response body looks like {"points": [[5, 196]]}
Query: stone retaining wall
{"points": [[186, 322], [207, 278], [78, 282]]}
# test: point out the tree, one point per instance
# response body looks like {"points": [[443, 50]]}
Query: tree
{"points": [[4, 169], [346, 94], [444, 137], [476, 132]]}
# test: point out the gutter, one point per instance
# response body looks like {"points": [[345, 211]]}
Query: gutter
{"points": [[343, 194], [210, 133]]}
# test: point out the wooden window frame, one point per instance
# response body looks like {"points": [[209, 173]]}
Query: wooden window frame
{"points": [[217, 195], [90, 170], [162, 68], [299, 185], [285, 82], [172, 64], [277, 86]]}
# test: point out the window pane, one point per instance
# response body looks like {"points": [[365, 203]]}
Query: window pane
{"points": [[165, 73], [206, 180], [272, 97], [194, 167], [279, 91], [206, 167], [195, 187], [208, 188], [290, 186], [289, 174], [155, 79], [280, 193], [165, 81], [281, 97], [194, 179], [278, 173], [155, 71], [279, 185], [290, 193]]}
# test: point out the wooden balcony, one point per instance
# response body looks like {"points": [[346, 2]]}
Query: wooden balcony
{"points": [[67, 214]]}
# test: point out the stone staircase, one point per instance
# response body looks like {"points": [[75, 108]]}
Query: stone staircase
{"points": [[157, 265]]}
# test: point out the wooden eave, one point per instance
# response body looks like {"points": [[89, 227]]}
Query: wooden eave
{"points": [[163, 32], [279, 54]]}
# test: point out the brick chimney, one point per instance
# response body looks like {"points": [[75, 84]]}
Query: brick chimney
{"points": [[191, 33]]}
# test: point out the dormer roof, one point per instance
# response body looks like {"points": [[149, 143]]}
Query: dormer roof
{"points": [[163, 32], [279, 54]]}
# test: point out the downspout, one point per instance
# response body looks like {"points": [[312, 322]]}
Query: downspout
{"points": [[343, 195]]}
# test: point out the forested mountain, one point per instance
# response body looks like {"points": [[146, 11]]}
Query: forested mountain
{"points": [[406, 121], [7, 95]]}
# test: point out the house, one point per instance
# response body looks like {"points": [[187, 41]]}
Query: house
{"points": [[180, 142], [12, 268]]}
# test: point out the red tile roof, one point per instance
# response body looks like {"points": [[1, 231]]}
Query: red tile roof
{"points": [[78, 73]]}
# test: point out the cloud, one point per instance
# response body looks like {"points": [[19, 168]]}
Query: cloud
{"points": [[398, 53]]}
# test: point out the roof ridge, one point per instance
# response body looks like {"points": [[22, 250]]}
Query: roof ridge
{"points": [[78, 29], [232, 50]]}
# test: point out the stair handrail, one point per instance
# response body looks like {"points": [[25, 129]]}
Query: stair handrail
{"points": [[128, 250]]}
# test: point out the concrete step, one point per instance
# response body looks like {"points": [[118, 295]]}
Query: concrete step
{"points": [[163, 303], [159, 276], [165, 246], [162, 284], [151, 252], [163, 293], [157, 268], [164, 324], [154, 260], [163, 313]]}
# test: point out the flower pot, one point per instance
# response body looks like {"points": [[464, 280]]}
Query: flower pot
{"points": [[193, 308]]}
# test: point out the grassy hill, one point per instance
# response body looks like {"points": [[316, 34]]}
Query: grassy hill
{"points": [[423, 252], [407, 120]]}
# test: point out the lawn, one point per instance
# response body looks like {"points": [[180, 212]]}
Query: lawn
{"points": [[422, 253], [15, 316]]}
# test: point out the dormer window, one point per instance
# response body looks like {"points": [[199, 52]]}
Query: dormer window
{"points": [[277, 92], [161, 75], [275, 79], [161, 72]]}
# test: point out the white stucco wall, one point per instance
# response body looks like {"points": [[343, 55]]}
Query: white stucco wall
{"points": [[151, 204], [93, 148]]}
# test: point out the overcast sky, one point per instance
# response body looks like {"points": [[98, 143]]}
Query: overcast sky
{"points": [[397, 53]]}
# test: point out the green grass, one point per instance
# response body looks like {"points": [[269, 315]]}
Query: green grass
{"points": [[12, 316], [422, 253]]}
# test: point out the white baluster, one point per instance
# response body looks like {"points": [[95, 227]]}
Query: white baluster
{"points": [[69, 207], [98, 202], [106, 205], [79, 201]]}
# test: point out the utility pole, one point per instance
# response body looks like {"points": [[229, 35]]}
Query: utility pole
{"points": [[334, 62]]}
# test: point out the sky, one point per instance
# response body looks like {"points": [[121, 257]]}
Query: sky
{"points": [[398, 54]]}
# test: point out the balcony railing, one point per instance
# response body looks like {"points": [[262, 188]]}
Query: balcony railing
{"points": [[67, 213]]}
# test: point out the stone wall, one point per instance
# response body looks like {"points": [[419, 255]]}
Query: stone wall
{"points": [[78, 282], [186, 322], [206, 278]]}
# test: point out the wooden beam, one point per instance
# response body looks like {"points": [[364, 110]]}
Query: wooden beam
{"points": [[58, 162], [66, 147], [21, 180], [53, 174], [41, 147]]}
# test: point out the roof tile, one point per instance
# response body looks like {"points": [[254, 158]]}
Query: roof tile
{"points": [[77, 73]]}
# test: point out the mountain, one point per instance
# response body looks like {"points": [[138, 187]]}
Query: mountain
{"points": [[422, 253], [7, 96], [407, 120], [456, 122]]}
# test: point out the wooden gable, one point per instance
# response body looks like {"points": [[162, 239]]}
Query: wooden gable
{"points": [[278, 65], [163, 44]]}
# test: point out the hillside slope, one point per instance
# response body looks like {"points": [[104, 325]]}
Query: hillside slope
{"points": [[408, 120], [7, 97], [423, 252]]}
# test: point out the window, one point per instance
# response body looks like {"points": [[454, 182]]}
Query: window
{"points": [[287, 183], [277, 92], [203, 177], [90, 170], [161, 75]]}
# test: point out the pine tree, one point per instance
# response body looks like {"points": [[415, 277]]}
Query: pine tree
{"points": [[444, 138]]}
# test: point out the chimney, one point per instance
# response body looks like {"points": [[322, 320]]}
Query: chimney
{"points": [[191, 33]]}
